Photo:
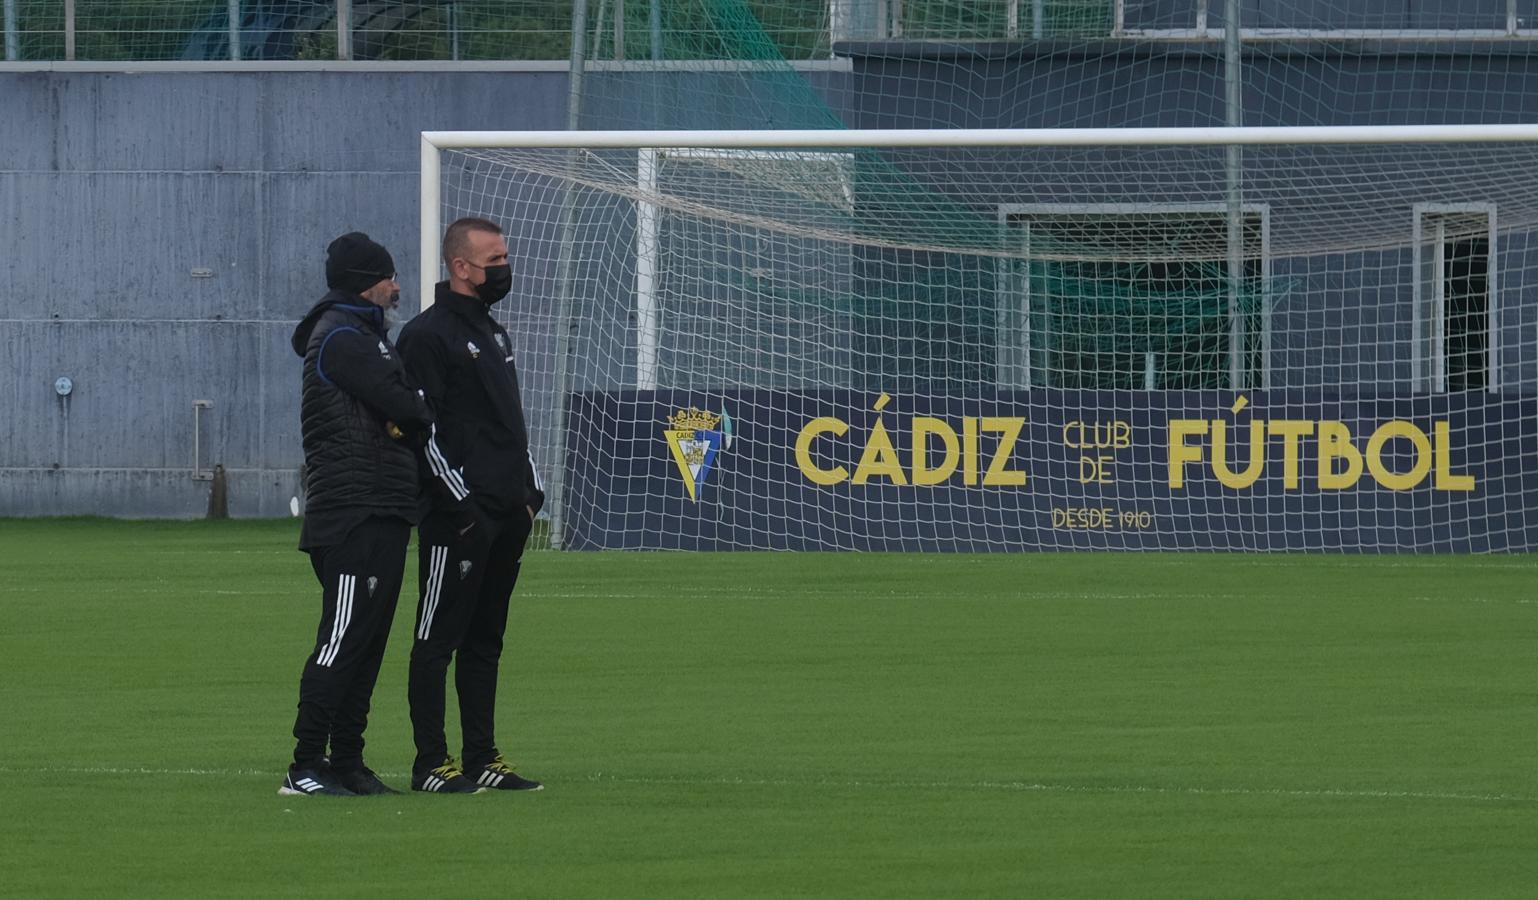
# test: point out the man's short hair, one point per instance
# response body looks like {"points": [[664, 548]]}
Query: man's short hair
{"points": [[456, 241]]}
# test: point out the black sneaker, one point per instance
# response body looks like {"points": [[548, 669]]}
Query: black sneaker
{"points": [[308, 782], [446, 779], [362, 781], [499, 775]]}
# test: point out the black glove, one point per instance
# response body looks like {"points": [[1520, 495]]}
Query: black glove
{"points": [[468, 522], [411, 437]]}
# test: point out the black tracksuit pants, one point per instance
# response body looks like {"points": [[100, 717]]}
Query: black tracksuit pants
{"points": [[465, 586], [360, 581]]}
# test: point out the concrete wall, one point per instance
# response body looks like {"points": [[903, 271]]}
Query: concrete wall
{"points": [[119, 192], [164, 231], [121, 189]]}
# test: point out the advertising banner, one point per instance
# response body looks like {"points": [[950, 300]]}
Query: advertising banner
{"points": [[1051, 469]]}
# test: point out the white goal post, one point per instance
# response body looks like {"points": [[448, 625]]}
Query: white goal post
{"points": [[434, 142], [1005, 339]]}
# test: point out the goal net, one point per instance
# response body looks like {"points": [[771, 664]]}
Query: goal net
{"points": [[1214, 339]]}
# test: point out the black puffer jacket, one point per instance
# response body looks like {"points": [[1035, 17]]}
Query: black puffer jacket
{"points": [[354, 384]]}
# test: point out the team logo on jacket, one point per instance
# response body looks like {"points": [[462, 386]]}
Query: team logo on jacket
{"points": [[475, 352], [373, 582], [383, 350], [502, 342], [464, 568], [696, 436]]}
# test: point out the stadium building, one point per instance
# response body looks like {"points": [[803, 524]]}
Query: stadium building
{"points": [[1375, 296]]}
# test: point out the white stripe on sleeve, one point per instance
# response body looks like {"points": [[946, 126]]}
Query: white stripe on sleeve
{"points": [[534, 470], [452, 478]]}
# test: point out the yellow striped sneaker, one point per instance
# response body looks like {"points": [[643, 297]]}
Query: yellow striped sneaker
{"points": [[448, 778], [500, 776]]}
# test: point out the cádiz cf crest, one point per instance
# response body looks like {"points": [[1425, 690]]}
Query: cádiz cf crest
{"points": [[695, 436]]}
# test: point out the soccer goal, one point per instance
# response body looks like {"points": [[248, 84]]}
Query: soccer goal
{"points": [[1218, 339]]}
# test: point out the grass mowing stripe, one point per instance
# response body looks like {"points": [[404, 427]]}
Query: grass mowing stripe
{"points": [[731, 780], [771, 725], [749, 591]]}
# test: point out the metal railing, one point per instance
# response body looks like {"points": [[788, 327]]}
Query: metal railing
{"points": [[234, 30], [390, 30], [215, 30]]}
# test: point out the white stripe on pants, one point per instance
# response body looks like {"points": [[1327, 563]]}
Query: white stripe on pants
{"points": [[340, 621], [438, 561]]}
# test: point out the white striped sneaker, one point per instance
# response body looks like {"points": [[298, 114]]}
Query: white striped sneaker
{"points": [[307, 782]]}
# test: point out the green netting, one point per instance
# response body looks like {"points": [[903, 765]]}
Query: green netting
{"points": [[103, 30], [1098, 311], [930, 246], [1142, 325]]}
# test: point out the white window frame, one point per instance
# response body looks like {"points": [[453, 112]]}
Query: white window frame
{"points": [[1020, 294], [1428, 369]]}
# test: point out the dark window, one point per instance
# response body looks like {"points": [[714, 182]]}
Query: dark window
{"points": [[1466, 277], [1108, 291]]}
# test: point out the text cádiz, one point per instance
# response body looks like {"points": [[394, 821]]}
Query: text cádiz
{"points": [[880, 459]]}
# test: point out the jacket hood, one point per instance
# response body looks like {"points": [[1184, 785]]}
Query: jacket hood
{"points": [[352, 303]]}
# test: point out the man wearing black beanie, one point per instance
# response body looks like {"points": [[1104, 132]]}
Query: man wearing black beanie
{"points": [[355, 264], [361, 419]]}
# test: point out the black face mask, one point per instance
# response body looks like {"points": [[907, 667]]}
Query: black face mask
{"points": [[499, 280]]}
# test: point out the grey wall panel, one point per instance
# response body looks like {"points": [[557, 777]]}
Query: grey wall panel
{"points": [[1300, 314], [1518, 253], [774, 98], [305, 211], [1333, 14], [139, 493], [1320, 341], [370, 122], [1391, 89], [130, 183], [139, 122], [1464, 14], [28, 368], [33, 99], [277, 437], [134, 387], [1069, 91], [125, 245], [1131, 89]]}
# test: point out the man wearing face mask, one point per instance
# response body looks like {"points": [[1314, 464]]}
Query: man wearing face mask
{"points": [[360, 419], [481, 499]]}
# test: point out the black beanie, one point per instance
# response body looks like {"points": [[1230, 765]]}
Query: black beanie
{"points": [[354, 263]]}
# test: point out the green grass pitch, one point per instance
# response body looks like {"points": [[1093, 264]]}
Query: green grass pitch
{"points": [[774, 725]]}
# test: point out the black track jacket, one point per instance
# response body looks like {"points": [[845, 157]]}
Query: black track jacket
{"points": [[478, 456], [354, 383]]}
